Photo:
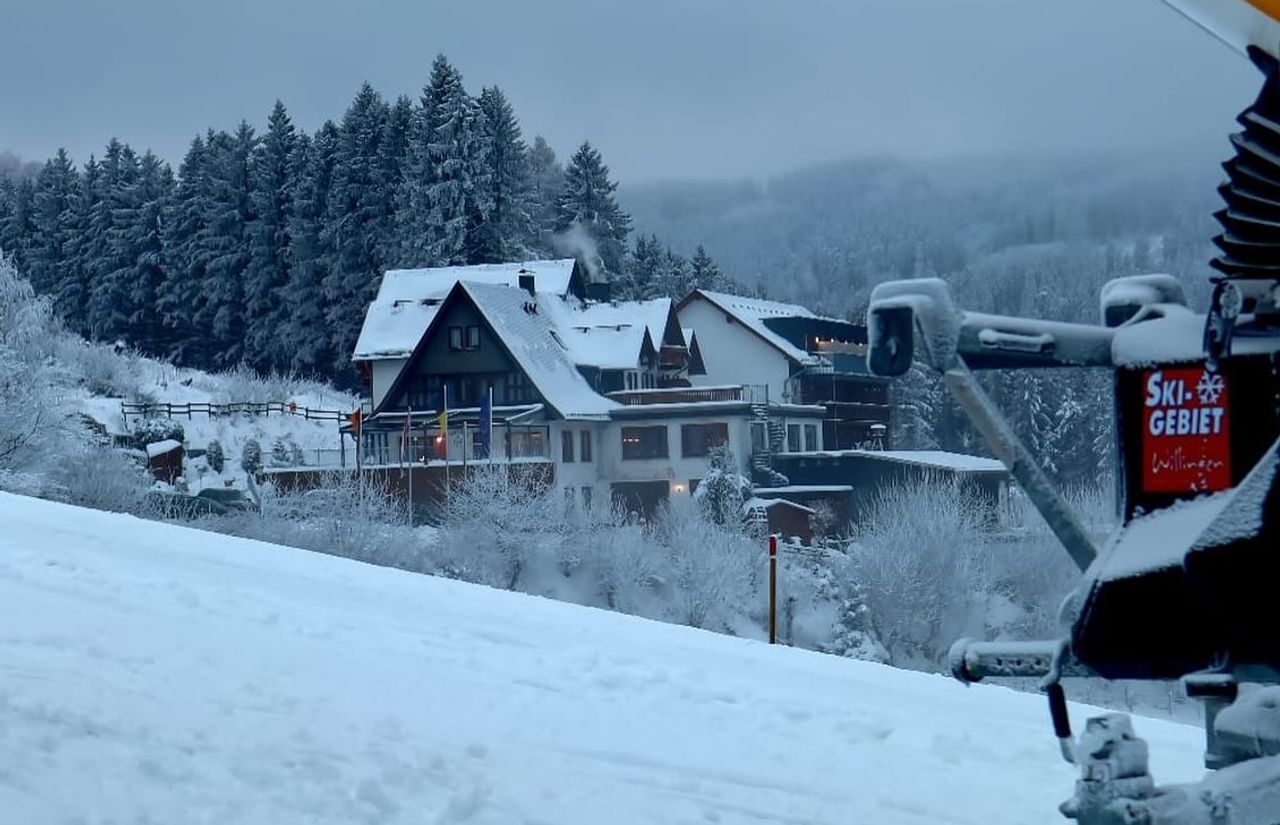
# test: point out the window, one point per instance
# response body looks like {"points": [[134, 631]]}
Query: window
{"points": [[566, 446], [584, 453], [464, 338], [759, 443], [697, 440], [810, 437], [793, 438], [644, 442], [633, 382], [586, 498]]}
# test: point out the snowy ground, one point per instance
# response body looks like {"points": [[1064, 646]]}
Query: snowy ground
{"points": [[155, 674]]}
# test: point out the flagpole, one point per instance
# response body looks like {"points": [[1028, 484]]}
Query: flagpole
{"points": [[444, 434], [408, 436]]}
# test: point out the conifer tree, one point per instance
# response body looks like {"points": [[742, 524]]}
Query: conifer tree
{"points": [[113, 244], [546, 181], [705, 274], [306, 335], [356, 219], [444, 200], [508, 232], [54, 230], [154, 190], [269, 241], [19, 225], [643, 272], [225, 241], [182, 296], [587, 202]]}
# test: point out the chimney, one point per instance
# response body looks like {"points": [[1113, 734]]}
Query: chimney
{"points": [[526, 281], [599, 291]]}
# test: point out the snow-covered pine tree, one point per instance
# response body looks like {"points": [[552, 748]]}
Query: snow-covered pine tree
{"points": [[182, 297], [704, 272], [355, 220], [272, 188], [914, 400], [305, 333], [18, 224], [112, 222], [674, 280], [393, 157], [546, 180], [639, 278], [444, 200], [587, 202], [508, 232], [145, 328], [230, 214], [53, 229]]}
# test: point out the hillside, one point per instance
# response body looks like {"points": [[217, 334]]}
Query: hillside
{"points": [[1002, 229], [151, 673]]}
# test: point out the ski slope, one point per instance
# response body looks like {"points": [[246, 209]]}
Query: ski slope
{"points": [[155, 674]]}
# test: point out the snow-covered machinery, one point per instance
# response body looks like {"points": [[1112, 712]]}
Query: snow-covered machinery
{"points": [[1188, 588]]}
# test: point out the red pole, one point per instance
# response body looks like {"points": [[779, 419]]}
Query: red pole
{"points": [[773, 590]]}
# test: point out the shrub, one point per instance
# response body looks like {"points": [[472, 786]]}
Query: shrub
{"points": [[251, 457], [151, 430], [214, 456]]}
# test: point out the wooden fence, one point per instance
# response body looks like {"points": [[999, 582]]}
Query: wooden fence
{"points": [[190, 410]]}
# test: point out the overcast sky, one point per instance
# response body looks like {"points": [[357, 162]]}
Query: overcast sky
{"points": [[665, 88]]}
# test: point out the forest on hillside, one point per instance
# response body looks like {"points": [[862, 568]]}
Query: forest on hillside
{"points": [[265, 248]]}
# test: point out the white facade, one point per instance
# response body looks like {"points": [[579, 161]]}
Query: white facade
{"points": [[733, 354], [382, 374]]}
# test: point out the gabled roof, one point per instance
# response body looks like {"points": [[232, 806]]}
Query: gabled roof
{"points": [[751, 312], [527, 332], [408, 299]]}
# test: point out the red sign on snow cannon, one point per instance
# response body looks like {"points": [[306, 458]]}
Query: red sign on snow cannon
{"points": [[1186, 442]]}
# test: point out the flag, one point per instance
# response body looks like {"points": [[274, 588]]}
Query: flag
{"points": [[404, 439], [485, 425], [442, 422]]}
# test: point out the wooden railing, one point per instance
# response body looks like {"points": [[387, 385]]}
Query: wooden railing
{"points": [[155, 409]]}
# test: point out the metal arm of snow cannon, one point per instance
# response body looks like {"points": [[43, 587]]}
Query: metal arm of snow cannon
{"points": [[902, 310]]}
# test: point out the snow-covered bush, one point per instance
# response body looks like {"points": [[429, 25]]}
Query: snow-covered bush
{"points": [[101, 368], [251, 457], [712, 565], [153, 430], [925, 565], [722, 490], [100, 477], [496, 522], [214, 456]]}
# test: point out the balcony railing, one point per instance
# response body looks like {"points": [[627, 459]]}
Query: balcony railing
{"points": [[748, 393]]}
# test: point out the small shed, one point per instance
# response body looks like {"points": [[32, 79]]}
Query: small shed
{"points": [[164, 460], [777, 516]]}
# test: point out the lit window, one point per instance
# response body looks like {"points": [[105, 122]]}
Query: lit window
{"points": [[644, 442]]}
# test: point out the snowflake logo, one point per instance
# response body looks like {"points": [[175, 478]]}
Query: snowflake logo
{"points": [[1210, 387]]}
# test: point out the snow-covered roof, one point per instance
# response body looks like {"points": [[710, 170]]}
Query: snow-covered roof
{"points": [[941, 459], [1160, 539], [605, 335], [795, 489], [532, 339], [751, 312], [757, 503], [158, 448], [408, 299]]}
